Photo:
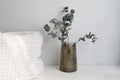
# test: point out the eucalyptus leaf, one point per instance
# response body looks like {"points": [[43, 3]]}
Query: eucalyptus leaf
{"points": [[66, 9], [72, 11], [54, 20], [69, 29], [59, 24], [47, 28]]}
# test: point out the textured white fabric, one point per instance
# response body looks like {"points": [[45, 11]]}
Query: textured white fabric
{"points": [[14, 61], [33, 41], [37, 65]]}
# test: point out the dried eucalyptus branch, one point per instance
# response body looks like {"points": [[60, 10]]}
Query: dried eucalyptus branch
{"points": [[88, 36], [62, 27]]}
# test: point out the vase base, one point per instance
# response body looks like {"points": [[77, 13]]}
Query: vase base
{"points": [[68, 70]]}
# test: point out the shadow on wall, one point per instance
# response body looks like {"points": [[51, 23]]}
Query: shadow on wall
{"points": [[119, 33], [50, 49], [119, 39], [118, 57]]}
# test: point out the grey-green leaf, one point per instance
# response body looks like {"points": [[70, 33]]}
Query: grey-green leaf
{"points": [[47, 28]]}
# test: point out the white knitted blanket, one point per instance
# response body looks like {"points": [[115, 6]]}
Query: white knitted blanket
{"points": [[14, 63]]}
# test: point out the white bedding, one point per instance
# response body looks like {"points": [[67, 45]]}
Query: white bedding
{"points": [[15, 63], [33, 41]]}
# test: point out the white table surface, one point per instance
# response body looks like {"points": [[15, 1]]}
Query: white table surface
{"points": [[86, 72]]}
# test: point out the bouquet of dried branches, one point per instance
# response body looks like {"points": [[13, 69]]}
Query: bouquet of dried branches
{"points": [[60, 28]]}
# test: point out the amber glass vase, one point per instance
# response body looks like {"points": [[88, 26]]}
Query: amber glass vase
{"points": [[68, 60]]}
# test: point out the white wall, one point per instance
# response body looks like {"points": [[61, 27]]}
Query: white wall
{"points": [[102, 17]]}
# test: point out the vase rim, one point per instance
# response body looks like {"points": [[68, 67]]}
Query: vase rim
{"points": [[70, 43]]}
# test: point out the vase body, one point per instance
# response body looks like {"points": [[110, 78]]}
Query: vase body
{"points": [[68, 60]]}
